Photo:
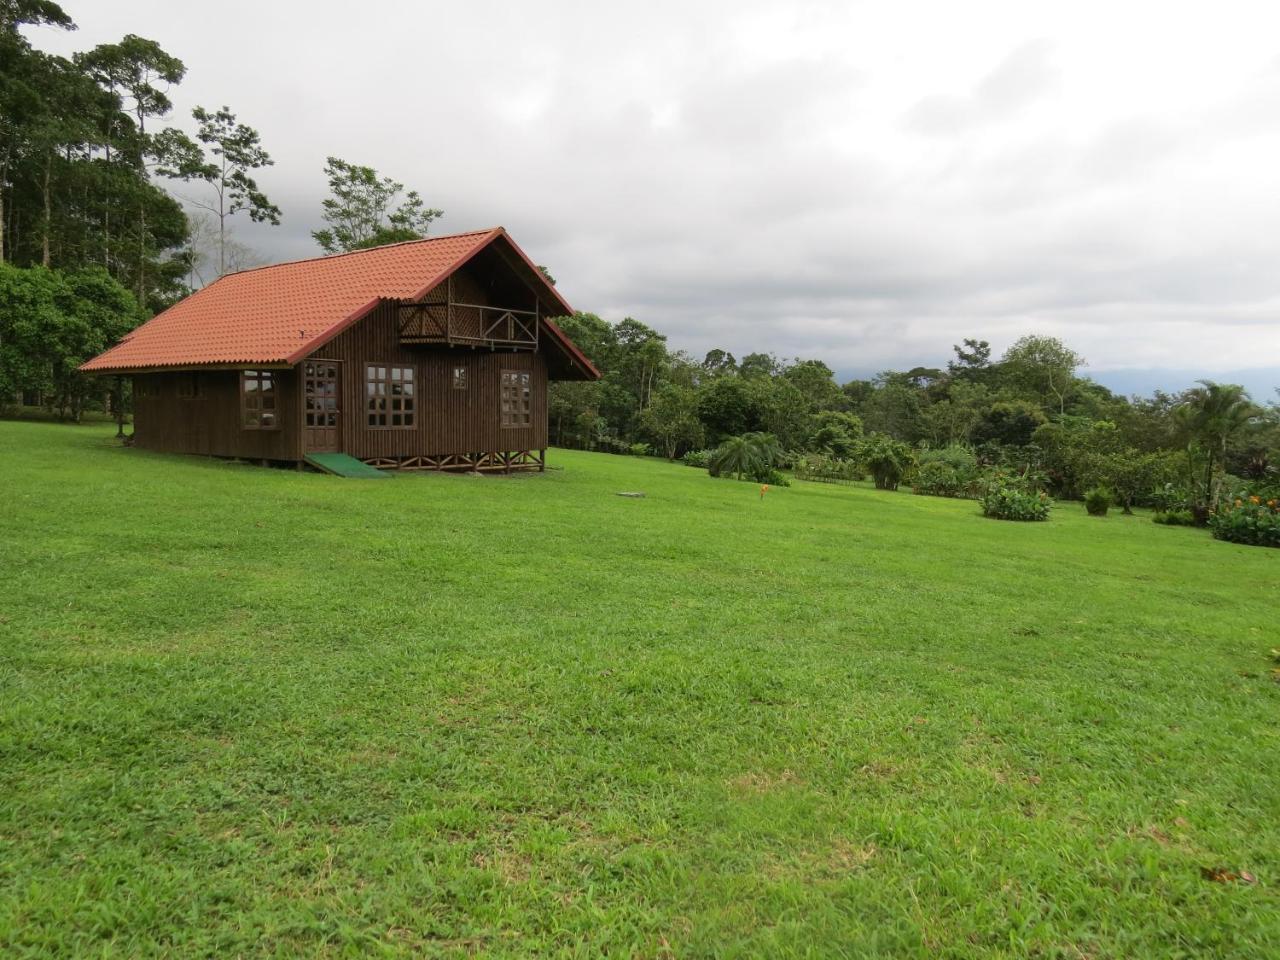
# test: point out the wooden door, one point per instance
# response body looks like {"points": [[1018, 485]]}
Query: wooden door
{"points": [[322, 405]]}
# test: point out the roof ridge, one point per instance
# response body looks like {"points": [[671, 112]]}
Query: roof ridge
{"points": [[354, 253]]}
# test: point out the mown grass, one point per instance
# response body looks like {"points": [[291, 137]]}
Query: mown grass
{"points": [[249, 712]]}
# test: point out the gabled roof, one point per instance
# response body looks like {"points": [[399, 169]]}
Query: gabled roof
{"points": [[279, 314]]}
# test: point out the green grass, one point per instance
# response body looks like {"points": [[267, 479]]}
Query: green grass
{"points": [[250, 712]]}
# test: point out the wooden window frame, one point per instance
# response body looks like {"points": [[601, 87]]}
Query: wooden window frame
{"points": [[460, 378], [380, 383], [251, 405], [189, 385], [515, 399]]}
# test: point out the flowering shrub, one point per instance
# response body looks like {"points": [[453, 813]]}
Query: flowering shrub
{"points": [[1007, 501], [1249, 520]]}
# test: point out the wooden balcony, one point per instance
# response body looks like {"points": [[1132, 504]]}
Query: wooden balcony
{"points": [[452, 324]]}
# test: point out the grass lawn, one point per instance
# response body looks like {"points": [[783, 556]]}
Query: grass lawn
{"points": [[251, 712]]}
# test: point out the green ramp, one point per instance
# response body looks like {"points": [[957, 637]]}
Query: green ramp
{"points": [[344, 466]]}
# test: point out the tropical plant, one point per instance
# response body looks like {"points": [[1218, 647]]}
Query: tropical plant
{"points": [[887, 459], [1247, 519], [1211, 415], [1097, 501], [1005, 500], [752, 455]]}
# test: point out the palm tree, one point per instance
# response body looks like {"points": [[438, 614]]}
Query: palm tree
{"points": [[736, 455], [1211, 414]]}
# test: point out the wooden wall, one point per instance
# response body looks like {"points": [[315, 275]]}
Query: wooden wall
{"points": [[209, 422], [447, 421]]}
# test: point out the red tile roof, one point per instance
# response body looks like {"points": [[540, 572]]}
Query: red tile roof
{"points": [[280, 314]]}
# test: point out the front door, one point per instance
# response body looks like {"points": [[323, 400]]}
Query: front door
{"points": [[322, 405]]}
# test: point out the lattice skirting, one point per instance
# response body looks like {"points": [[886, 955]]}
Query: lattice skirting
{"points": [[505, 462]]}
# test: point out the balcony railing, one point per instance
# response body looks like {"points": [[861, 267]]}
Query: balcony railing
{"points": [[468, 325]]}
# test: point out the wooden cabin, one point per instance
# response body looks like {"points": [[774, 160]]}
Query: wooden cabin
{"points": [[433, 354]]}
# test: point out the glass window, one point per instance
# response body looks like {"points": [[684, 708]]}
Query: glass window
{"points": [[459, 378], [390, 396], [517, 398], [258, 400]]}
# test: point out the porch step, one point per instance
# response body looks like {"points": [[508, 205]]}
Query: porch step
{"points": [[343, 465]]}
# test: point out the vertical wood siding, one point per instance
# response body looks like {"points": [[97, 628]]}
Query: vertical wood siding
{"points": [[209, 422], [446, 420]]}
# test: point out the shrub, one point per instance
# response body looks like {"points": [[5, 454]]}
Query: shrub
{"points": [[697, 458], [824, 469], [1008, 501], [887, 459], [639, 450], [1174, 518], [1169, 498], [1250, 520], [947, 472], [612, 445], [772, 477], [1097, 501]]}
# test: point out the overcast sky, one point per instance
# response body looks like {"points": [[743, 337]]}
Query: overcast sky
{"points": [[866, 183]]}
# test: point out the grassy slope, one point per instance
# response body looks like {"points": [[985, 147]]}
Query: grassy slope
{"points": [[252, 711]]}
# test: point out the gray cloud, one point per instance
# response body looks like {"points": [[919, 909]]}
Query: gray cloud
{"points": [[819, 178]]}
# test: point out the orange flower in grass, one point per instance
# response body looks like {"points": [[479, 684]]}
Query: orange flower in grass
{"points": [[1239, 502], [1254, 500]]}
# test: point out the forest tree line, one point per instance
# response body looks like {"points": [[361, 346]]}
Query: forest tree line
{"points": [[110, 211], [1027, 410]]}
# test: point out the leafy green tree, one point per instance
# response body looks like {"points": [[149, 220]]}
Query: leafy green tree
{"points": [[671, 420], [1044, 367], [887, 459], [894, 407], [758, 365], [718, 362], [362, 210], [728, 407], [1212, 414], [139, 72], [237, 151], [1008, 422], [972, 362], [54, 321]]}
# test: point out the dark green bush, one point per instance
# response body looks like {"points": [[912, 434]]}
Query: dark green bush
{"points": [[947, 472], [1250, 520], [1097, 501], [697, 458], [1174, 518], [886, 458], [1008, 501], [1169, 498]]}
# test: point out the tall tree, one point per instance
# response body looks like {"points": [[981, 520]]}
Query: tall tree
{"points": [[20, 98], [1213, 413], [237, 151], [139, 73], [362, 210], [1044, 366]]}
